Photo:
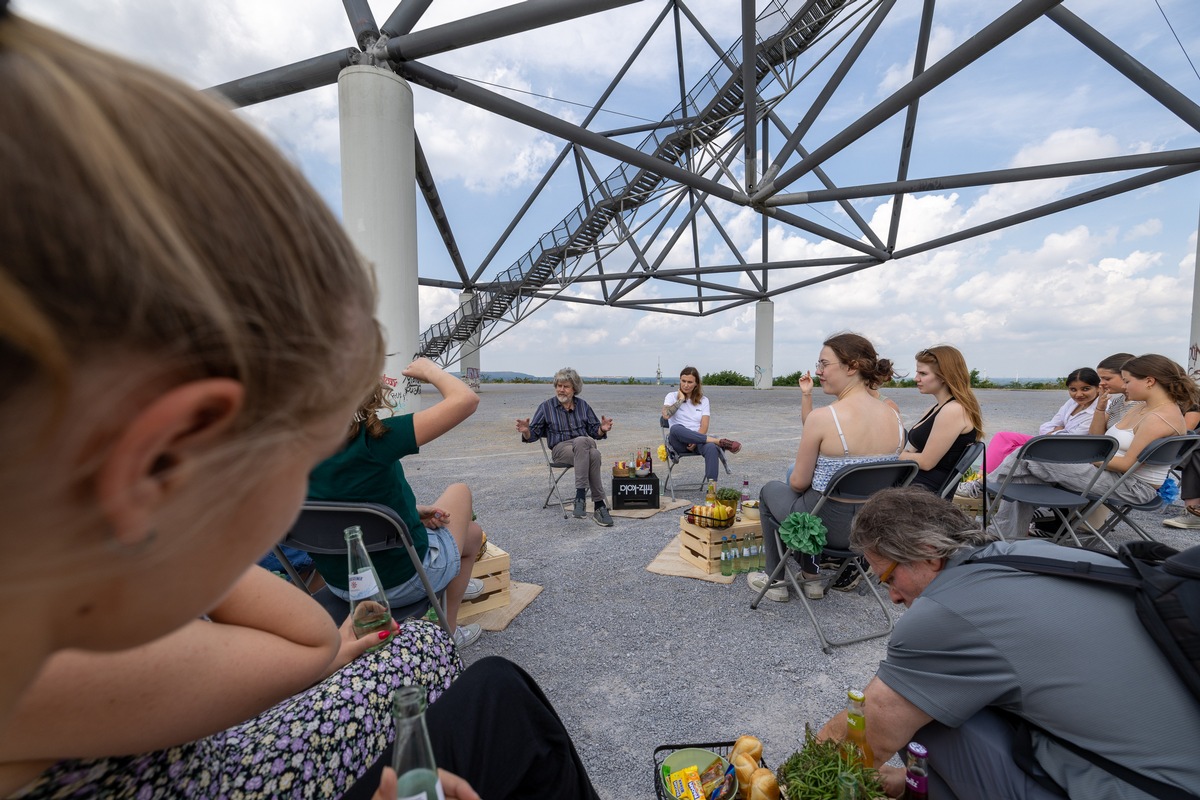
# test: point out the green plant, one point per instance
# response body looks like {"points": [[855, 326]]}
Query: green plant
{"points": [[812, 772], [726, 377], [728, 496]]}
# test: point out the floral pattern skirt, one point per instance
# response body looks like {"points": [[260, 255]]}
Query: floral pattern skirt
{"points": [[313, 745]]}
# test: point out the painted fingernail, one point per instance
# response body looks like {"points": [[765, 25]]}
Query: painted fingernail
{"points": [[384, 634]]}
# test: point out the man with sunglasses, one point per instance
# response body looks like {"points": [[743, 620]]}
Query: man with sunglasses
{"points": [[985, 652]]}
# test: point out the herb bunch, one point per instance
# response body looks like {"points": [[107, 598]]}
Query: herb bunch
{"points": [[812, 772]]}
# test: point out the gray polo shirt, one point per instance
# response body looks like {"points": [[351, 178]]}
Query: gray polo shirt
{"points": [[1068, 656]]}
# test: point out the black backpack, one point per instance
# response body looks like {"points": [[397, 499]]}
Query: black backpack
{"points": [[1165, 586]]}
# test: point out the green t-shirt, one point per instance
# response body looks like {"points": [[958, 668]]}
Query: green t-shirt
{"points": [[368, 470]]}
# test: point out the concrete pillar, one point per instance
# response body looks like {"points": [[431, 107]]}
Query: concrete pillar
{"points": [[764, 344], [468, 364], [379, 205], [1193, 364]]}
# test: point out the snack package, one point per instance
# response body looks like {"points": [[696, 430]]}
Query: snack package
{"points": [[685, 784], [712, 778]]}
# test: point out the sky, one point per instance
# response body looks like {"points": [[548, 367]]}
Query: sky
{"points": [[1035, 301]]}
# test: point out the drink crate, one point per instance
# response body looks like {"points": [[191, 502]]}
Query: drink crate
{"points": [[701, 547], [493, 570]]}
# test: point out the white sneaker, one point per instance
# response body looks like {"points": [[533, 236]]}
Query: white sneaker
{"points": [[812, 587], [467, 635], [972, 489], [1187, 521], [778, 592], [474, 589]]}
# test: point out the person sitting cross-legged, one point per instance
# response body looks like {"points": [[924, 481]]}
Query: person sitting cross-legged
{"points": [[686, 411], [571, 429]]}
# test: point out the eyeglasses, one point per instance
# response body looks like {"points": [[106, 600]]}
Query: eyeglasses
{"points": [[885, 577], [822, 365]]}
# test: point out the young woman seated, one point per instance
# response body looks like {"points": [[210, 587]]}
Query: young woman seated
{"points": [[687, 412], [938, 440]]}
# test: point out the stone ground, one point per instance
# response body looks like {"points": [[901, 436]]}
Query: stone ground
{"points": [[631, 659]]}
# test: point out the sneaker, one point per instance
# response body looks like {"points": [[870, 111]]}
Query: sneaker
{"points": [[467, 635], [1187, 521], [813, 588], [778, 592], [602, 517], [474, 589], [972, 489], [580, 510], [849, 580], [730, 445]]}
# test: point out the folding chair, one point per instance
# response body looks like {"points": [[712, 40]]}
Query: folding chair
{"points": [[853, 484], [1166, 452], [563, 467], [964, 463], [1052, 449], [321, 529], [673, 462]]}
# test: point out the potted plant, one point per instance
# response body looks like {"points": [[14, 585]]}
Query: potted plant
{"points": [[729, 497]]}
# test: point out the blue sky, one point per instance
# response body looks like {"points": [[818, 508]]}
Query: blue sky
{"points": [[1040, 299]]}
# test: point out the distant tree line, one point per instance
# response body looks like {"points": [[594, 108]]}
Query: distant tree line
{"points": [[729, 377]]}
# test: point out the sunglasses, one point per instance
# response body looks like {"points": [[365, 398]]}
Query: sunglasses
{"points": [[885, 577]]}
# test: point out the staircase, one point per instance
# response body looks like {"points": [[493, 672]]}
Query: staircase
{"points": [[714, 102]]}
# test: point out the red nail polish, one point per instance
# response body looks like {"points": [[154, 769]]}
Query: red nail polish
{"points": [[384, 634]]}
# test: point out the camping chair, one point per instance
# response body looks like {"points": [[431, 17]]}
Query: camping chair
{"points": [[673, 462], [1052, 449], [563, 468], [853, 484], [964, 463], [1166, 452], [321, 529]]}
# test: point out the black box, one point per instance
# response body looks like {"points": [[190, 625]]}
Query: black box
{"points": [[635, 492]]}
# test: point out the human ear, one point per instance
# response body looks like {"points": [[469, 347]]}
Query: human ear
{"points": [[140, 470]]}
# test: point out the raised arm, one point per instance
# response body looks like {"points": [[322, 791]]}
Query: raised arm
{"points": [[267, 641], [672, 404], [805, 382], [1099, 422], [946, 428], [458, 402]]}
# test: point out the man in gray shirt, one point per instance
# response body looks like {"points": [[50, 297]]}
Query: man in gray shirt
{"points": [[1067, 656]]}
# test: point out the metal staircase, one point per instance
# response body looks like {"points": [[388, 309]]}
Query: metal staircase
{"points": [[712, 105]]}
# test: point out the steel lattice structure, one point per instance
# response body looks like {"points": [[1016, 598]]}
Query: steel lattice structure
{"points": [[675, 176]]}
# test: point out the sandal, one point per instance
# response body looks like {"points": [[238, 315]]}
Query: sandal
{"points": [[1193, 510]]}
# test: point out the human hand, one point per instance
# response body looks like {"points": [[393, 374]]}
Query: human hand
{"points": [[606, 423], [892, 779], [523, 427], [352, 647], [433, 517], [1102, 398], [805, 383], [422, 369]]}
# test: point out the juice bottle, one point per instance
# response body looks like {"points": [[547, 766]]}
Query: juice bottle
{"points": [[856, 726], [916, 779]]}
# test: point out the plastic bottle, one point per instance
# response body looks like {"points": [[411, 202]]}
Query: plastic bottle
{"points": [[726, 561], [416, 770], [916, 779], [369, 608], [856, 726]]}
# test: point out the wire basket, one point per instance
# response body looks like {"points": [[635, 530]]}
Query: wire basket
{"points": [[662, 752], [706, 516]]}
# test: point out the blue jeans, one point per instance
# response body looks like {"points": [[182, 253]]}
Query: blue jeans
{"points": [[679, 439]]}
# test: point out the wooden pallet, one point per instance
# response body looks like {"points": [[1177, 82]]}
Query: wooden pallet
{"points": [[494, 570]]}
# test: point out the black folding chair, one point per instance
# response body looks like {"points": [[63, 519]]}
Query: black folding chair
{"points": [[853, 484], [1054, 449], [562, 467], [321, 529], [672, 462], [964, 463]]}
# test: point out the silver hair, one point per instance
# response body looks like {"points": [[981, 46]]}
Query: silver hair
{"points": [[568, 375], [913, 524]]}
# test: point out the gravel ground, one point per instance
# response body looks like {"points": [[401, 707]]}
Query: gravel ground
{"points": [[633, 660]]}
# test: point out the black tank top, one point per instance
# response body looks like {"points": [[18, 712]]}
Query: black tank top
{"points": [[918, 437]]}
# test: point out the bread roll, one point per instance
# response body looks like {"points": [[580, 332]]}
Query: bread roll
{"points": [[744, 766], [749, 745], [763, 785]]}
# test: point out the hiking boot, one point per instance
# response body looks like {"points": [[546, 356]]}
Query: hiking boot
{"points": [[1189, 520], [467, 635], [972, 489], [474, 589], [602, 517], [730, 445], [778, 592], [580, 510]]}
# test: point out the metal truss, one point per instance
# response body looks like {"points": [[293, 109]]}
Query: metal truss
{"points": [[670, 191]]}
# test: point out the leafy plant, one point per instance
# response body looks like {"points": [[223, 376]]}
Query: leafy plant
{"points": [[726, 377], [729, 497], [812, 772]]}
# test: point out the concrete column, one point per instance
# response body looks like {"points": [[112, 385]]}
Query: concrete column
{"points": [[379, 206], [468, 364], [1193, 364], [764, 344]]}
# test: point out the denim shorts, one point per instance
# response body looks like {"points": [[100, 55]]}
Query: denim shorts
{"points": [[442, 562]]}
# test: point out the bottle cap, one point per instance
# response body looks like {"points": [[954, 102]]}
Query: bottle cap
{"points": [[856, 695], [918, 750]]}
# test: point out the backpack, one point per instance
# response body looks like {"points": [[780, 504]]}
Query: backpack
{"points": [[1165, 586]]}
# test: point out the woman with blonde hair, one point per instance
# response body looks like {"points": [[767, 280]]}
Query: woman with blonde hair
{"points": [[938, 440]]}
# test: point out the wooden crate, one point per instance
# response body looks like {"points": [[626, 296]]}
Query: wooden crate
{"points": [[972, 505], [493, 570], [701, 547]]}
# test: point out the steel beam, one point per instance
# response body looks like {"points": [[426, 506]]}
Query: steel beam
{"points": [[310, 73], [910, 121], [749, 94], [405, 17], [362, 21], [433, 200]]}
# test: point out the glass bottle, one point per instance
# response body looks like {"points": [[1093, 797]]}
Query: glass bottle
{"points": [[726, 562], [745, 494], [856, 726], [744, 561], [752, 558], [416, 769], [369, 608], [916, 778], [711, 497], [762, 555], [847, 786]]}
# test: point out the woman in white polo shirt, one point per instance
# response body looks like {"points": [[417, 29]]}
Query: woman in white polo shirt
{"points": [[686, 411]]}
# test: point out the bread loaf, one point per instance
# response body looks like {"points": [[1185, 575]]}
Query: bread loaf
{"points": [[763, 785], [749, 745], [744, 766]]}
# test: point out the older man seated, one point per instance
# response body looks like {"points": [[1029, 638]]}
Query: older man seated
{"points": [[571, 429], [985, 651]]}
